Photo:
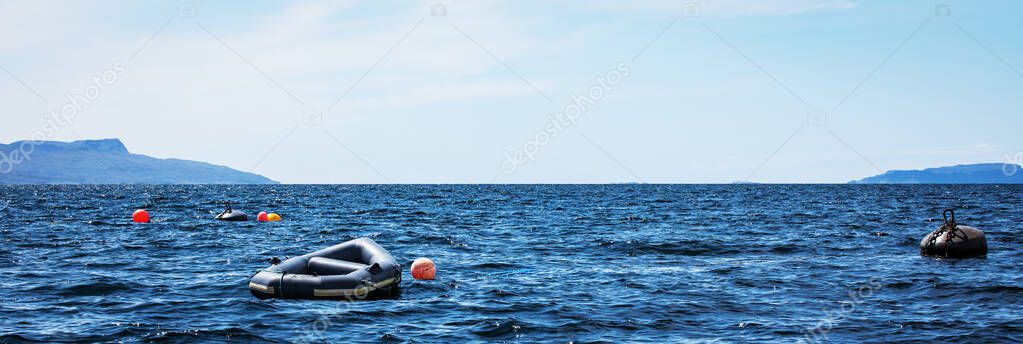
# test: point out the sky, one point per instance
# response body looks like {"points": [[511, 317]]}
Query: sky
{"points": [[709, 91]]}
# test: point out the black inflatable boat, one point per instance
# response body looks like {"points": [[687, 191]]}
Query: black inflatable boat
{"points": [[354, 270]]}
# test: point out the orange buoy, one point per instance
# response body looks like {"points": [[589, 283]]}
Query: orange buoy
{"points": [[140, 216], [262, 217], [273, 217], [423, 269]]}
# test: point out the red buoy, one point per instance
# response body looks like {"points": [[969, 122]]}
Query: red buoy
{"points": [[262, 217], [140, 216], [423, 269]]}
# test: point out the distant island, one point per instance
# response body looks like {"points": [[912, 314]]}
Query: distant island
{"points": [[106, 162], [989, 173]]}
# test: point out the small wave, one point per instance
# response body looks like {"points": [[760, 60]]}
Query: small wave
{"points": [[200, 335], [373, 211], [390, 338], [786, 248], [500, 293], [496, 328], [691, 248], [444, 240], [96, 289], [420, 286], [900, 285], [504, 273], [999, 289], [17, 338], [496, 266]]}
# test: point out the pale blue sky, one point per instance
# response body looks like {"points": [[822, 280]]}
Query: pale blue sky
{"points": [[720, 96]]}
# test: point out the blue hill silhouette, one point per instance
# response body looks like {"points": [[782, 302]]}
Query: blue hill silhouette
{"points": [[106, 162], [988, 173]]}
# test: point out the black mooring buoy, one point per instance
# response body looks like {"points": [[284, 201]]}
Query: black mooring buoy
{"points": [[953, 240], [232, 215]]}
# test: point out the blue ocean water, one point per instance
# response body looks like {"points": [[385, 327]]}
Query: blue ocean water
{"points": [[517, 263]]}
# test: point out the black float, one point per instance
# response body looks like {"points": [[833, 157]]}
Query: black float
{"points": [[232, 215], [953, 240]]}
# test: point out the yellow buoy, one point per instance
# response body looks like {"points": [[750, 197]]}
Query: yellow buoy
{"points": [[273, 217]]}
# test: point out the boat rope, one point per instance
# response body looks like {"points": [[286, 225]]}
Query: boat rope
{"points": [[949, 229], [281, 284]]}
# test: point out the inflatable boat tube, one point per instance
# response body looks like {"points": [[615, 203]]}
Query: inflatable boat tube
{"points": [[354, 270], [233, 215]]}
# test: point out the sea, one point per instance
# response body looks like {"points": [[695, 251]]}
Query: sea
{"points": [[623, 263]]}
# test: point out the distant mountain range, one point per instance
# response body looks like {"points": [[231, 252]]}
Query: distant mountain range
{"points": [[106, 162], [109, 162], [990, 173]]}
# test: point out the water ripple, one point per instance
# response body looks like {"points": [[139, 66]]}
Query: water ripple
{"points": [[522, 263]]}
